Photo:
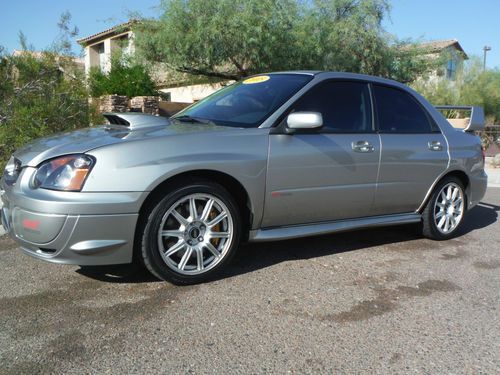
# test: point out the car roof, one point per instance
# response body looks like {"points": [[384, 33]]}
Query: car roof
{"points": [[341, 75]]}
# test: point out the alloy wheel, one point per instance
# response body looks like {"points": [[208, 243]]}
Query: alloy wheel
{"points": [[449, 208], [195, 234]]}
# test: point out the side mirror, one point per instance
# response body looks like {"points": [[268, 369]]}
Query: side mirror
{"points": [[304, 120]]}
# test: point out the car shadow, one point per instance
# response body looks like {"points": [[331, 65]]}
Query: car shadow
{"points": [[255, 256], [480, 216], [118, 274]]}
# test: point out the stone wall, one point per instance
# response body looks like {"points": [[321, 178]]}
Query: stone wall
{"points": [[144, 104], [120, 103], [113, 103]]}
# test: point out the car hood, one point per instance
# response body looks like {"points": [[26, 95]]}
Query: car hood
{"points": [[84, 140]]}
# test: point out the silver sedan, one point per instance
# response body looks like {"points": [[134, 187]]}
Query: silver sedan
{"points": [[274, 156]]}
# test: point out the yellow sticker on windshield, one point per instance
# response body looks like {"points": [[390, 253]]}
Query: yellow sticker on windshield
{"points": [[257, 79]]}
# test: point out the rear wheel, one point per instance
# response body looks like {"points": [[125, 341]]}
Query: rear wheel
{"points": [[191, 234], [445, 210]]}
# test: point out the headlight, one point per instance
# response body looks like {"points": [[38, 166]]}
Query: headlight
{"points": [[67, 173]]}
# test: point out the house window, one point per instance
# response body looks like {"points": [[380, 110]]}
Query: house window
{"points": [[451, 69], [102, 57]]}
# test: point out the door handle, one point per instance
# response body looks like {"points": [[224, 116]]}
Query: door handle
{"points": [[362, 146], [435, 146]]}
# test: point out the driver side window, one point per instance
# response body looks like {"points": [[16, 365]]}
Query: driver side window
{"points": [[344, 105]]}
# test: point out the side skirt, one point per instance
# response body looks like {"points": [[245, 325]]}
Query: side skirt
{"points": [[295, 231]]}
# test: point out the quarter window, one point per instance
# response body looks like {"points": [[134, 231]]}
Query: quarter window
{"points": [[345, 106], [398, 112]]}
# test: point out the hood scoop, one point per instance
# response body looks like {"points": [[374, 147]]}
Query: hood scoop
{"points": [[133, 120]]}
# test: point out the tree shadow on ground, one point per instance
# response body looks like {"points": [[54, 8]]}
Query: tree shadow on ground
{"points": [[255, 256]]}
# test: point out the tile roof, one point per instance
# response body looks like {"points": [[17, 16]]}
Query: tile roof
{"points": [[122, 27], [439, 45]]}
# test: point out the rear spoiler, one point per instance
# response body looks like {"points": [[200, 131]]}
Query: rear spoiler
{"points": [[475, 121]]}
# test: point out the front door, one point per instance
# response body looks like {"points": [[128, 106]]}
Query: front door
{"points": [[327, 174]]}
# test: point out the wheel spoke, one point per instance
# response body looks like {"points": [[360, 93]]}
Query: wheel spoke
{"points": [[175, 248], [447, 224], [448, 192], [192, 209], [219, 234], [454, 194], [206, 210], [212, 249], [181, 219], [441, 222], [185, 258], [217, 220], [452, 222], [173, 233], [443, 197], [199, 258], [440, 205], [439, 214], [457, 202]]}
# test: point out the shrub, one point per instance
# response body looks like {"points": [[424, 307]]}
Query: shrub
{"points": [[40, 94], [125, 78]]}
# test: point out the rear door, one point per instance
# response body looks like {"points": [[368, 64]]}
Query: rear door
{"points": [[414, 152], [326, 174]]}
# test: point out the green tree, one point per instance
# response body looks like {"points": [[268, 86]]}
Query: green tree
{"points": [[230, 39], [125, 77], [472, 86]]}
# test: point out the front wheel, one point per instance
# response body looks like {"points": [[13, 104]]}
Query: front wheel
{"points": [[191, 233], [445, 210]]}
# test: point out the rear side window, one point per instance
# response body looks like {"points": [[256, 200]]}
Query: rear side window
{"points": [[345, 106], [399, 112]]}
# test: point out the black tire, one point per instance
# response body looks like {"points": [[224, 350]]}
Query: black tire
{"points": [[161, 213], [430, 228]]}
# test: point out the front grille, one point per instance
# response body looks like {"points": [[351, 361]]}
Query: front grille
{"points": [[12, 171]]}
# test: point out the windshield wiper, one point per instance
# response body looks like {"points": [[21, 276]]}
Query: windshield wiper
{"points": [[187, 118]]}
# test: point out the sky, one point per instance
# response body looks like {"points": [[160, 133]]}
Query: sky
{"points": [[473, 23]]}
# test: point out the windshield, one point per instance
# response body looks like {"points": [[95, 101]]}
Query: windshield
{"points": [[246, 103]]}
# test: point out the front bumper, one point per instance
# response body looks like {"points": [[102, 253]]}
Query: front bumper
{"points": [[82, 228]]}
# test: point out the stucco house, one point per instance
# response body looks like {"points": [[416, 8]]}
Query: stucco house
{"points": [[452, 51], [99, 48]]}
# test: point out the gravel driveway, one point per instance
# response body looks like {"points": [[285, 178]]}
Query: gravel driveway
{"points": [[374, 301]]}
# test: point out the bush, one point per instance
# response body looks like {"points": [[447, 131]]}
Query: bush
{"points": [[125, 78], [40, 94]]}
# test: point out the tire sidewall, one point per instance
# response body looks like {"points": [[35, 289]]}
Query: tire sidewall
{"points": [[150, 251]]}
